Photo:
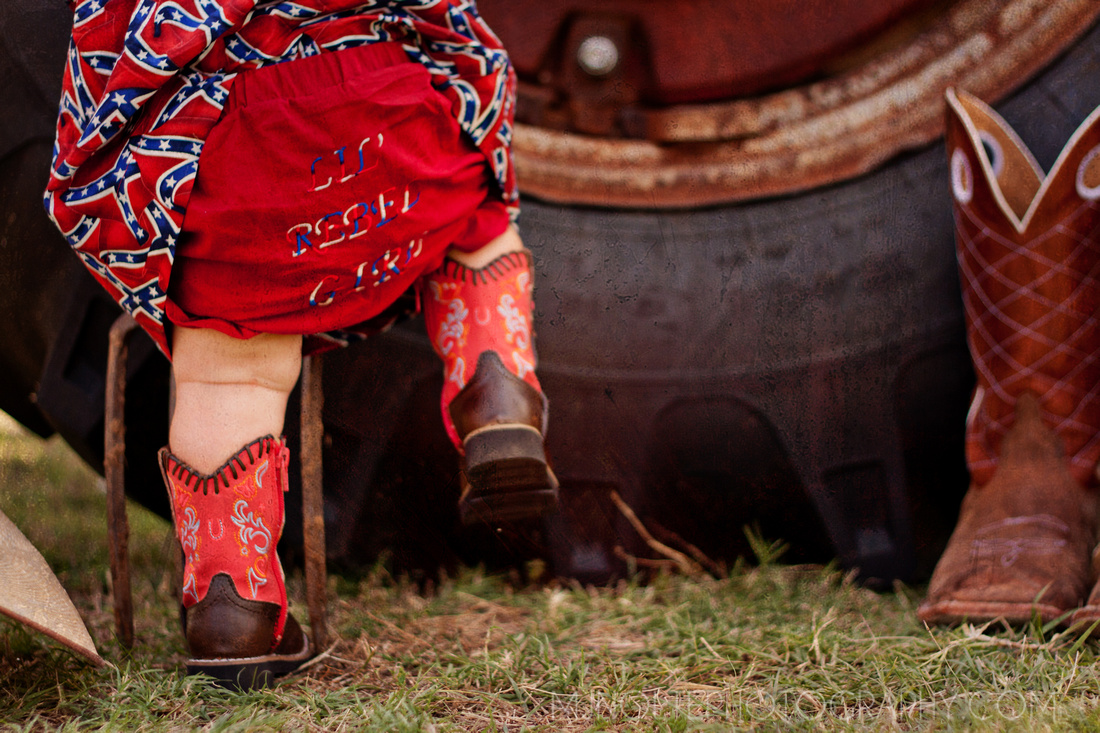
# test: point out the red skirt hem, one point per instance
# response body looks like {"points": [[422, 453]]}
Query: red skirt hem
{"points": [[330, 185]]}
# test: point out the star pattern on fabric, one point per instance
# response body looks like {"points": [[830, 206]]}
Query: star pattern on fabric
{"points": [[146, 80]]}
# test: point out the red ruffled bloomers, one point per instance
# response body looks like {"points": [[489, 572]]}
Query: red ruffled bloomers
{"points": [[328, 188], [145, 86]]}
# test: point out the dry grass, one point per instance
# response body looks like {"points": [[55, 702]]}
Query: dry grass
{"points": [[766, 647]]}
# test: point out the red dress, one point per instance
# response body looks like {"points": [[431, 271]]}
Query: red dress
{"points": [[324, 186]]}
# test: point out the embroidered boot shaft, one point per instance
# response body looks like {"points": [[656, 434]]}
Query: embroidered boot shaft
{"points": [[230, 522], [1029, 259], [234, 597], [493, 407], [468, 312]]}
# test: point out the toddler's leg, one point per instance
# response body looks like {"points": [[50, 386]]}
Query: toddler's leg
{"points": [[225, 469], [478, 312], [228, 391], [506, 243]]}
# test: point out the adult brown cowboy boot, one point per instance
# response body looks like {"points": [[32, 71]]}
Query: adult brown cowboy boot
{"points": [[234, 596], [493, 406], [1029, 259], [1087, 618]]}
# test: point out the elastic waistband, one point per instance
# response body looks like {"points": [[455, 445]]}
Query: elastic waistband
{"points": [[308, 76]]}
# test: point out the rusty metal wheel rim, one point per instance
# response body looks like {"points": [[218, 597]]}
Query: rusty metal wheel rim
{"points": [[808, 136]]}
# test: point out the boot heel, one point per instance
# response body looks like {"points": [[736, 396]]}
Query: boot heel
{"points": [[505, 476], [251, 673]]}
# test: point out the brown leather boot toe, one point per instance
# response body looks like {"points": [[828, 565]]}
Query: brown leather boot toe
{"points": [[1087, 617], [500, 420], [230, 639], [1022, 544]]}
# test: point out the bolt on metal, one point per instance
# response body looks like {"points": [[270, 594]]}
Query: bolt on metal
{"points": [[598, 55]]}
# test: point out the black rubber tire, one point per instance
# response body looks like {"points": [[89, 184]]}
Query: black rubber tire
{"points": [[798, 363]]}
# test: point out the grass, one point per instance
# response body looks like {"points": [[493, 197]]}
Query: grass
{"points": [[766, 647]]}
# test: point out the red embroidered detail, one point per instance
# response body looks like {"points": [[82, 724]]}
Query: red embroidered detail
{"points": [[244, 500], [467, 312]]}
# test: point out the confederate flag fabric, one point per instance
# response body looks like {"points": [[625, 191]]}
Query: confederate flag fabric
{"points": [[146, 81]]}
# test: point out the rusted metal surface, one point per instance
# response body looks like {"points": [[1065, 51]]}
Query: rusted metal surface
{"points": [[118, 527], [807, 136], [700, 50], [313, 518]]}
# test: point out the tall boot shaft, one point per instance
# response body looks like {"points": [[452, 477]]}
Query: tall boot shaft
{"points": [[1028, 264], [228, 524], [1028, 247], [469, 312], [493, 407]]}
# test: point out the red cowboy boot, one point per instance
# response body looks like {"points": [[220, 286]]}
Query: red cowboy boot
{"points": [[234, 598], [1029, 260], [494, 410]]}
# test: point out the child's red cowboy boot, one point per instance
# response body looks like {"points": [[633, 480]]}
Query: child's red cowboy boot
{"points": [[1029, 260], [234, 597], [479, 322]]}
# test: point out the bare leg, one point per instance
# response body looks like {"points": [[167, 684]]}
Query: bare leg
{"points": [[228, 391], [506, 243]]}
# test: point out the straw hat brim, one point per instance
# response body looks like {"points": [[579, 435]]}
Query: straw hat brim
{"points": [[31, 594]]}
